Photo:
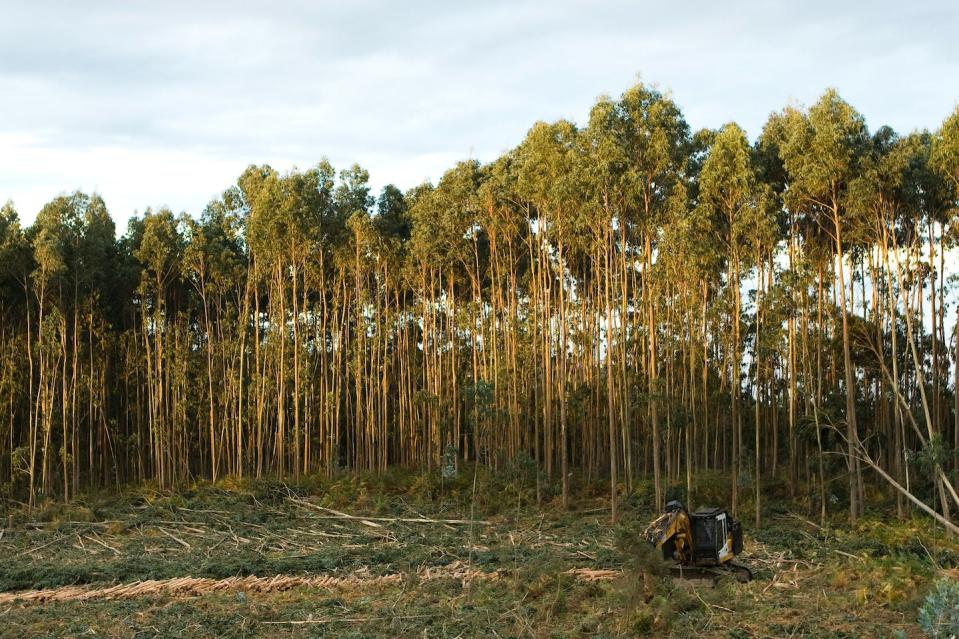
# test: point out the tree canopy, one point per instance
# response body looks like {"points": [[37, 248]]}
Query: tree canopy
{"points": [[620, 299]]}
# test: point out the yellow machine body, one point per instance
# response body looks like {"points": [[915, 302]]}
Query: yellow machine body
{"points": [[707, 537]]}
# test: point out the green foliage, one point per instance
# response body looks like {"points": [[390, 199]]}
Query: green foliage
{"points": [[449, 462], [945, 150], [479, 399], [939, 614], [538, 316], [935, 453]]}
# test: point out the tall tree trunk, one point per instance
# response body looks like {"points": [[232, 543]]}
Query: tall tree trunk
{"points": [[852, 434], [614, 513]]}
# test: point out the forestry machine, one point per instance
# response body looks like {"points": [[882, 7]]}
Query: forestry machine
{"points": [[702, 543]]}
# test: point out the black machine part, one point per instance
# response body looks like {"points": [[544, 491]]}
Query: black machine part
{"points": [[737, 530], [711, 527], [708, 537], [674, 504]]}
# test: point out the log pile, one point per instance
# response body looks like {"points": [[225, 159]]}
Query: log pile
{"points": [[195, 586], [589, 574]]}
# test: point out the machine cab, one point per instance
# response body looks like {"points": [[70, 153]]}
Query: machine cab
{"points": [[717, 537]]}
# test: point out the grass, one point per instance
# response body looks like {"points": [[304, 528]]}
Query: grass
{"points": [[811, 581]]}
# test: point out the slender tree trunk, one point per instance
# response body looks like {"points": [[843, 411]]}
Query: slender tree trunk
{"points": [[614, 513], [653, 387], [735, 385], [757, 363], [852, 435]]}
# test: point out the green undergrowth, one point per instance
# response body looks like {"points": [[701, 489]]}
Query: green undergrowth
{"points": [[812, 579]]}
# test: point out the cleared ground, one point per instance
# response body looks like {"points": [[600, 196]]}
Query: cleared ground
{"points": [[406, 555]]}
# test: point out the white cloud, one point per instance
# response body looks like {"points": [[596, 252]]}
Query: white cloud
{"points": [[166, 103]]}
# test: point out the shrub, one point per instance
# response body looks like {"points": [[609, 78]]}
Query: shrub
{"points": [[939, 615]]}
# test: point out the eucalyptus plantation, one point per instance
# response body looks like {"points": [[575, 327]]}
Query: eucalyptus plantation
{"points": [[610, 302]]}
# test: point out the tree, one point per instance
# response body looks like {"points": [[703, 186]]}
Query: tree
{"points": [[160, 254], [626, 295], [656, 141], [729, 200], [544, 178], [821, 154], [945, 160]]}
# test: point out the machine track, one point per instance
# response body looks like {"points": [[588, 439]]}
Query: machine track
{"points": [[740, 572]]}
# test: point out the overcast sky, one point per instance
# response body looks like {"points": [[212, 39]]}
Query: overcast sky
{"points": [[165, 103]]}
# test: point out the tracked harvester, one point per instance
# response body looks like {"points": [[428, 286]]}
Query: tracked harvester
{"points": [[702, 543]]}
